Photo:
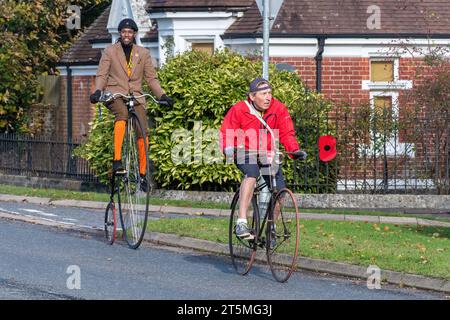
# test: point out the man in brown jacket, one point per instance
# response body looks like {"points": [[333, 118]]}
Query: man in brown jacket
{"points": [[122, 68]]}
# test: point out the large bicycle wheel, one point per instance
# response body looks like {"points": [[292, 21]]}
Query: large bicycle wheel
{"points": [[283, 235], [110, 222], [243, 251], [133, 197]]}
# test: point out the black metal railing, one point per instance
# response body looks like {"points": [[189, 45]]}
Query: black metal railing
{"points": [[378, 152], [42, 157]]}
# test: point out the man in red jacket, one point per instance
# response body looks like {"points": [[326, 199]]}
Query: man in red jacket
{"points": [[255, 125]]}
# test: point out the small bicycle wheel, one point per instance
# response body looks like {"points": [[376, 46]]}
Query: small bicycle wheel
{"points": [[110, 223], [133, 196], [243, 251], [283, 235]]}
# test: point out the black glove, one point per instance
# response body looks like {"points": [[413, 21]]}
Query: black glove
{"points": [[95, 97], [299, 155], [165, 99]]}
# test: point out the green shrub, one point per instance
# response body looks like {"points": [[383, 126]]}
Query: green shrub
{"points": [[99, 148], [204, 88]]}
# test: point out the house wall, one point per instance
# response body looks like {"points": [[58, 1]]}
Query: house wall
{"points": [[410, 153], [341, 76], [342, 79], [82, 110]]}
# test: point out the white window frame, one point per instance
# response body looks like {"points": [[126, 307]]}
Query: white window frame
{"points": [[198, 39], [397, 84], [393, 146]]}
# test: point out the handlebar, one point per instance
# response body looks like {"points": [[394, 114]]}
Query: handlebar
{"points": [[265, 153], [108, 97]]}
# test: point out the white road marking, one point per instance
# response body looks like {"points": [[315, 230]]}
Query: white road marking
{"points": [[51, 220], [42, 213], [9, 211]]}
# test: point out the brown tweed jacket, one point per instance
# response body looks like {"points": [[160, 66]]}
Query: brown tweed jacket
{"points": [[112, 72]]}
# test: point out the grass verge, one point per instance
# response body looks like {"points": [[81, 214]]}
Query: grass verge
{"points": [[417, 250]]}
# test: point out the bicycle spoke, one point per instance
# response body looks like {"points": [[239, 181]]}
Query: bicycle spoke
{"points": [[283, 236], [242, 251], [133, 201]]}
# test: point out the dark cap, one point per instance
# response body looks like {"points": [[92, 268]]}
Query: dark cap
{"points": [[128, 24], [259, 84]]}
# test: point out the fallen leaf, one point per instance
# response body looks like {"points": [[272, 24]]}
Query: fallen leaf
{"points": [[424, 259], [421, 247]]}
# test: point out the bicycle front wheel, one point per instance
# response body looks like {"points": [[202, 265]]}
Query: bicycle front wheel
{"points": [[283, 235], [243, 251], [134, 194]]}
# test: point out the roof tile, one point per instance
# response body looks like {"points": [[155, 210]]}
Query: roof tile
{"points": [[334, 17], [81, 51]]}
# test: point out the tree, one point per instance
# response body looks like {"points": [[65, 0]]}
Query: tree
{"points": [[33, 36]]}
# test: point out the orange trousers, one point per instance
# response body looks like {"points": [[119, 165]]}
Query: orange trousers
{"points": [[119, 134]]}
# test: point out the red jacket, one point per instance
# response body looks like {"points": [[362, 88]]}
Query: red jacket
{"points": [[253, 134]]}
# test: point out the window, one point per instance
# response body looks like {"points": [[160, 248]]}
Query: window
{"points": [[384, 75], [207, 47], [383, 106], [382, 71]]}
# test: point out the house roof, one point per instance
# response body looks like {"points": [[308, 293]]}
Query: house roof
{"points": [[81, 51], [350, 18], [195, 5], [296, 18]]}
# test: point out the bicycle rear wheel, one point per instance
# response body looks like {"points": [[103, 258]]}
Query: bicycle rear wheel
{"points": [[110, 223], [283, 235], [243, 251], [133, 198]]}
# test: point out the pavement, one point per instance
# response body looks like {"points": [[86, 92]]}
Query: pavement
{"points": [[316, 265]]}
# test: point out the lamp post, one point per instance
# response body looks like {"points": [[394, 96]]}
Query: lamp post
{"points": [[266, 37], [269, 10]]}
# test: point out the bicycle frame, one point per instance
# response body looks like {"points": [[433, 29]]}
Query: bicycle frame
{"points": [[271, 204], [269, 211]]}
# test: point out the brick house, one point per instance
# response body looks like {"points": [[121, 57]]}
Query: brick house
{"points": [[342, 48]]}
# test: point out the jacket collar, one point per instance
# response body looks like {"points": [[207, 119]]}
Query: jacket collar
{"points": [[122, 59]]}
